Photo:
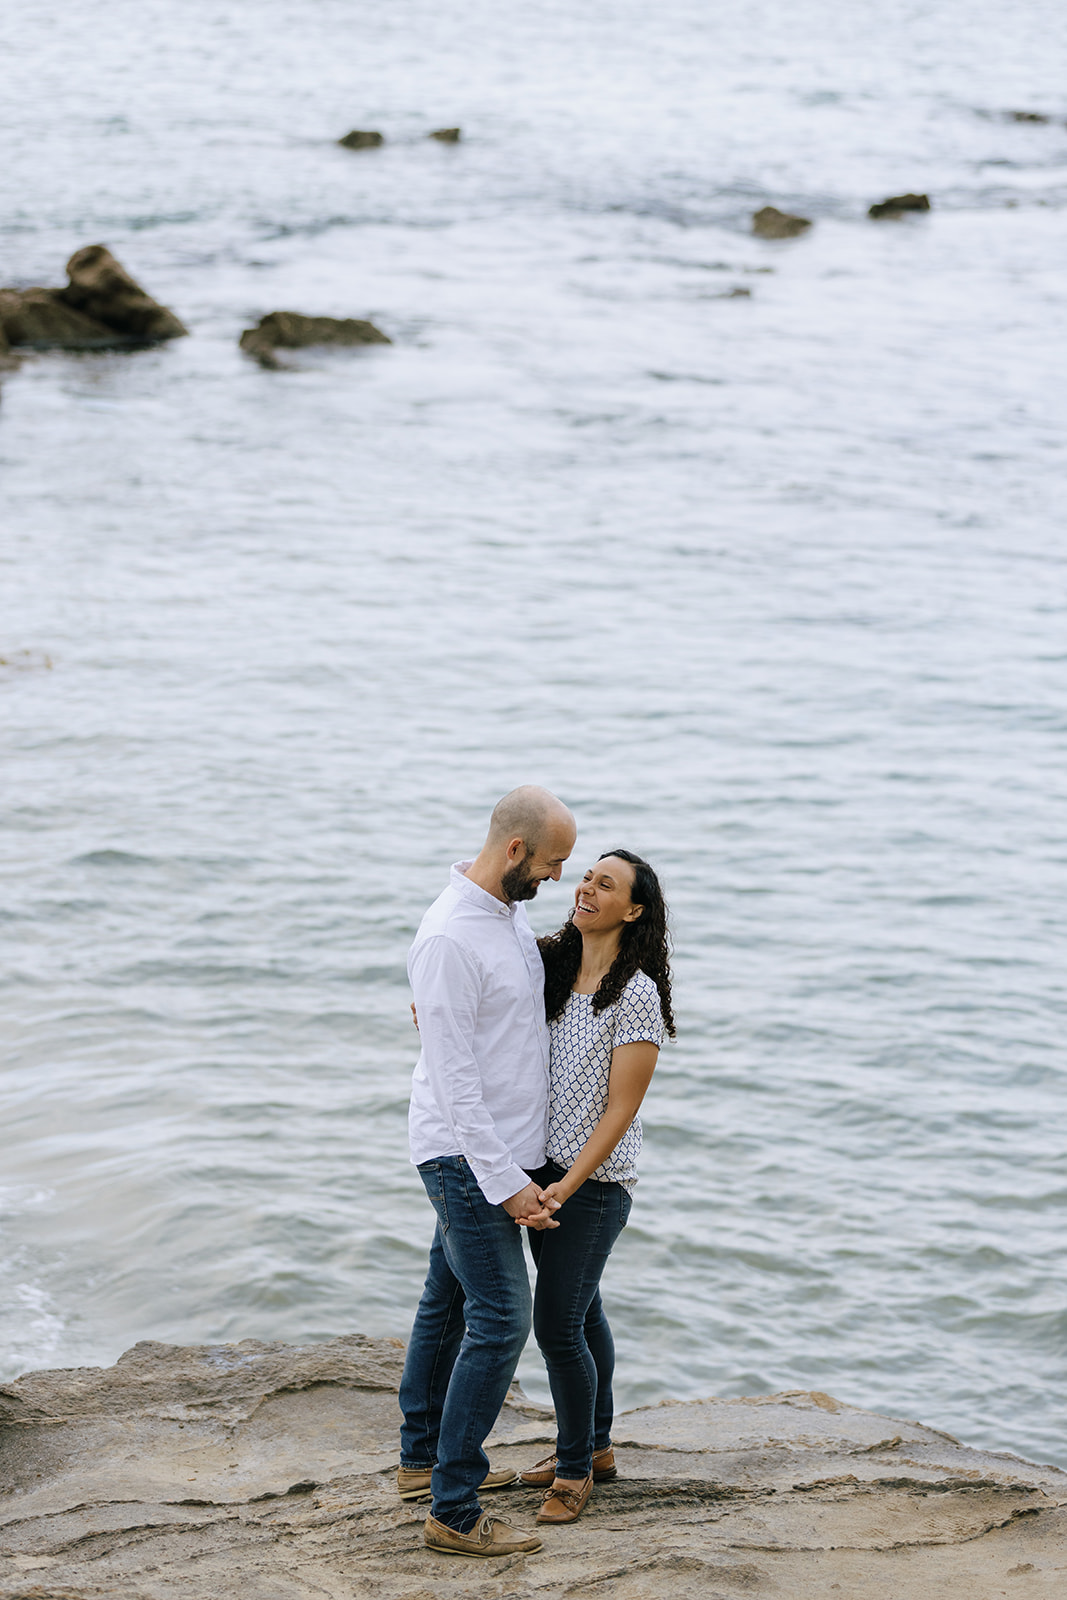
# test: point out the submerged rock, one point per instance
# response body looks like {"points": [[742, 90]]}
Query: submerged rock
{"points": [[897, 204], [1028, 116], [770, 223], [102, 308], [291, 330], [25, 661], [263, 1470], [447, 135], [361, 139]]}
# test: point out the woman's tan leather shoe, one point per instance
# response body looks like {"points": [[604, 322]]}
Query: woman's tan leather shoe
{"points": [[544, 1473], [564, 1505]]}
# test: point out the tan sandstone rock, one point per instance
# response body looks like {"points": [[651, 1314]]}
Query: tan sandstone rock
{"points": [[266, 1472]]}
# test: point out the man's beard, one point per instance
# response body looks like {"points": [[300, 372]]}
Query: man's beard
{"points": [[517, 883]]}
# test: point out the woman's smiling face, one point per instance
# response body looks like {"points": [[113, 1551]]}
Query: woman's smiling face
{"points": [[602, 899]]}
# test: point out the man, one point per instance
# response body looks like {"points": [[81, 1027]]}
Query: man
{"points": [[479, 1104]]}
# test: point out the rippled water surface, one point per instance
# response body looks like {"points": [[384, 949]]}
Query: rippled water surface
{"points": [[769, 584]]}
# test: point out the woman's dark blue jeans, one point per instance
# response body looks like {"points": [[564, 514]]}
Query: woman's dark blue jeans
{"points": [[569, 1322]]}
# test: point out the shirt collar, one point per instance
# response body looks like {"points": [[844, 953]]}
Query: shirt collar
{"points": [[476, 894]]}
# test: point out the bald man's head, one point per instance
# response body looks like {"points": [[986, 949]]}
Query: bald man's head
{"points": [[533, 832], [524, 814]]}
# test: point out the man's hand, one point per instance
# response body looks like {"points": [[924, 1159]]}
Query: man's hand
{"points": [[528, 1211]]}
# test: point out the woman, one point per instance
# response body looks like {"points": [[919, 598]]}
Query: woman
{"points": [[608, 1000]]}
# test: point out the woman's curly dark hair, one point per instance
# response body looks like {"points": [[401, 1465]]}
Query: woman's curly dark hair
{"points": [[644, 947]]}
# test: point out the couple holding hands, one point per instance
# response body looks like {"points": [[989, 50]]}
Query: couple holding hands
{"points": [[536, 1055]]}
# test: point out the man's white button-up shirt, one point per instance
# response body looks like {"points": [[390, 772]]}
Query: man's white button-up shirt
{"points": [[480, 1088]]}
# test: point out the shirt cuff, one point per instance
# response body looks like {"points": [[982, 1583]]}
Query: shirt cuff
{"points": [[499, 1189]]}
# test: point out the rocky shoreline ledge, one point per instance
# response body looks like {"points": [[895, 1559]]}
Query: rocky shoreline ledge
{"points": [[266, 1471]]}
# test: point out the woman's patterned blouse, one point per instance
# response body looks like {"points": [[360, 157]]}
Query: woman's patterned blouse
{"points": [[582, 1042]]}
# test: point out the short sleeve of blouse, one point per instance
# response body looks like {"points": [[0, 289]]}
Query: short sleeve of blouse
{"points": [[638, 1016]]}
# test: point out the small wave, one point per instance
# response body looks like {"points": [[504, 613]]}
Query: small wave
{"points": [[687, 377], [18, 1197], [201, 973], [152, 219], [112, 858], [268, 228]]}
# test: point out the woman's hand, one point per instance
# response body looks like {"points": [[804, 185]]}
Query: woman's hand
{"points": [[523, 1209], [548, 1201], [555, 1195]]}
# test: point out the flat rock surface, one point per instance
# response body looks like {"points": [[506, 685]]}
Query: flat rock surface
{"points": [[267, 1471]]}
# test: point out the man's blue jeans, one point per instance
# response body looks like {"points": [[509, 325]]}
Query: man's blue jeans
{"points": [[472, 1322]]}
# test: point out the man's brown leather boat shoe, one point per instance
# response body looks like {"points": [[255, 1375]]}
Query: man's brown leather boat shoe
{"points": [[489, 1537], [413, 1483]]}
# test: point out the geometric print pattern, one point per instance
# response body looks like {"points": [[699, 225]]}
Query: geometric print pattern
{"points": [[580, 1066]]}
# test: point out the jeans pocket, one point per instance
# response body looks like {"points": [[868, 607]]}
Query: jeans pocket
{"points": [[433, 1180]]}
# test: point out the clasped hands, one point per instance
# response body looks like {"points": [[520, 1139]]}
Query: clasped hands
{"points": [[533, 1206]]}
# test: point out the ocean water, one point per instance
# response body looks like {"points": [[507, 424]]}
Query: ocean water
{"points": [[769, 584]]}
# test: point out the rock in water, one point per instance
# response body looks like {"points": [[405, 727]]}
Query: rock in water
{"points": [[102, 308], [1029, 116], [770, 223], [447, 135], [39, 319], [897, 204], [361, 139], [290, 330], [103, 289]]}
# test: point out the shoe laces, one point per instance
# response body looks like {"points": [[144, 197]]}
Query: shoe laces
{"points": [[571, 1498]]}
